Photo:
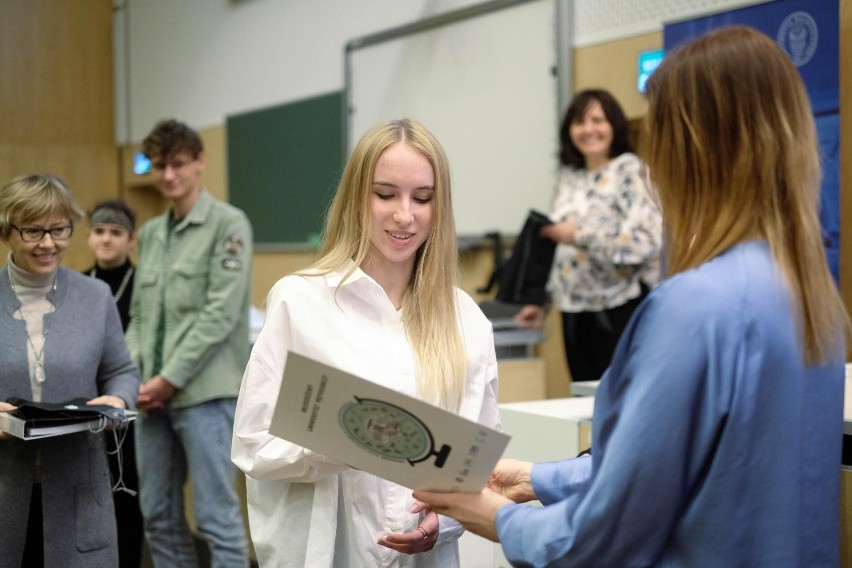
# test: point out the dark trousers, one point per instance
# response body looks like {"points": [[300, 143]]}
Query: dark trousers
{"points": [[591, 337], [131, 534], [34, 546]]}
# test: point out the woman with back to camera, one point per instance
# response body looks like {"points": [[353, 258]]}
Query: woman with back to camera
{"points": [[718, 427], [381, 303], [61, 340], [607, 230]]}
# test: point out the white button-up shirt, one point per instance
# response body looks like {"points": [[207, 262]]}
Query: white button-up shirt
{"points": [[305, 509]]}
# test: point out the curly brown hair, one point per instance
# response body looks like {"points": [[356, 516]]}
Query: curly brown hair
{"points": [[170, 137]]}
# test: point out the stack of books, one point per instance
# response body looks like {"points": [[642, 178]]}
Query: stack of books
{"points": [[32, 421]]}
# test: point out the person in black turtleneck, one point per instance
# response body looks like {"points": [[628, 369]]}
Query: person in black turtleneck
{"points": [[111, 237]]}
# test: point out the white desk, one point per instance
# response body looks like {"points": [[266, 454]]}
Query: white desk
{"points": [[546, 430], [541, 430]]}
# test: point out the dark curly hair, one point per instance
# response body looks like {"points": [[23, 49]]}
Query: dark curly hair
{"points": [[170, 137]]}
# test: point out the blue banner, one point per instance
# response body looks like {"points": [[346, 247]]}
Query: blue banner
{"points": [[828, 131], [807, 30]]}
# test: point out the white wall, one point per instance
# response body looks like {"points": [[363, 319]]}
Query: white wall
{"points": [[201, 60], [598, 21]]}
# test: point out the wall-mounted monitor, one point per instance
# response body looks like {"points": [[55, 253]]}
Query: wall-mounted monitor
{"points": [[141, 164], [648, 62]]}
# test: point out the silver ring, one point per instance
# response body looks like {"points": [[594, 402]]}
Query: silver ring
{"points": [[425, 534]]}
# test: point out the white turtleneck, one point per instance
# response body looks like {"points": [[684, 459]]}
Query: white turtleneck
{"points": [[31, 290]]}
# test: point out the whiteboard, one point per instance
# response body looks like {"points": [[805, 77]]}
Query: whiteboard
{"points": [[486, 84]]}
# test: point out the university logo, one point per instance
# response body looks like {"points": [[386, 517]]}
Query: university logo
{"points": [[798, 36]]}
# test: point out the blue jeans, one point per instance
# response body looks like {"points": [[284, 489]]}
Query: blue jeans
{"points": [[170, 443]]}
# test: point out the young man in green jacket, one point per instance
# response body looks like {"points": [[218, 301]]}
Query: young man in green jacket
{"points": [[189, 335]]}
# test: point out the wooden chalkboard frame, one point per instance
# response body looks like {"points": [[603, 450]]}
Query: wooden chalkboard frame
{"points": [[284, 164]]}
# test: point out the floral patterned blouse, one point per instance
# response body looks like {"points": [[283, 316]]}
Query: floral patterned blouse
{"points": [[617, 240]]}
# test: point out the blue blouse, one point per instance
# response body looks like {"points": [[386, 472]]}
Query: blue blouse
{"points": [[714, 445]]}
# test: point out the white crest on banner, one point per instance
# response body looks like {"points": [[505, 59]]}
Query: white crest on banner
{"points": [[798, 36]]}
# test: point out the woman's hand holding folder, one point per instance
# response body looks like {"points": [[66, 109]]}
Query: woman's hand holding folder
{"points": [[5, 407]]}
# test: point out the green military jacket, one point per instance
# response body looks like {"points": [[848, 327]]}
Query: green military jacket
{"points": [[197, 276]]}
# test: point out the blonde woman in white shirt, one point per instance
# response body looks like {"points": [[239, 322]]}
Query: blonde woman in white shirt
{"points": [[382, 303]]}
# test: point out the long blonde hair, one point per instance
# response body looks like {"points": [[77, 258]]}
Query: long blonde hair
{"points": [[731, 144], [429, 305]]}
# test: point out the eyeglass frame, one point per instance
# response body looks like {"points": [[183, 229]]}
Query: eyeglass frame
{"points": [[69, 228], [160, 166]]}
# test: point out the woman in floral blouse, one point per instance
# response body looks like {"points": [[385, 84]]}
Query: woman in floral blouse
{"points": [[608, 232]]}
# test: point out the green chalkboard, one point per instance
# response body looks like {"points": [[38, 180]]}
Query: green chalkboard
{"points": [[284, 164]]}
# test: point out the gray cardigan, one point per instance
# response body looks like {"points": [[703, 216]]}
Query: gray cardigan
{"points": [[85, 356]]}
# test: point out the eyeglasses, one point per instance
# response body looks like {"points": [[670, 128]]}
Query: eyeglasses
{"points": [[176, 165], [36, 234]]}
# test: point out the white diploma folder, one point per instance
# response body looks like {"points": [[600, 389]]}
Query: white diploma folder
{"points": [[375, 429]]}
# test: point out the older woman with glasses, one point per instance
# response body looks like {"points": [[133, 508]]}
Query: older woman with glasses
{"points": [[60, 339]]}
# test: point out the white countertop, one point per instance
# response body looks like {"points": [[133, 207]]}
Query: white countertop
{"points": [[561, 408]]}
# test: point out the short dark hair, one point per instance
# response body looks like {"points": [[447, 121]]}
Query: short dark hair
{"points": [[569, 154], [118, 205], [170, 137]]}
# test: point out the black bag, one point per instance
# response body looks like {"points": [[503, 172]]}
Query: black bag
{"points": [[523, 278]]}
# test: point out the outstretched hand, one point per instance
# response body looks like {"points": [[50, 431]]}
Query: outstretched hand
{"points": [[421, 539], [511, 478], [475, 511]]}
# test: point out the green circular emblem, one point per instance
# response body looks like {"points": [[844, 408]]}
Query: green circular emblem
{"points": [[389, 431]]}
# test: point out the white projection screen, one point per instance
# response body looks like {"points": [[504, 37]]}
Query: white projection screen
{"points": [[485, 81]]}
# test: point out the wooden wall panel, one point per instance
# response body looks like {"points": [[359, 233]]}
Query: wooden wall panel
{"points": [[56, 69], [56, 99], [846, 157], [89, 170], [614, 66]]}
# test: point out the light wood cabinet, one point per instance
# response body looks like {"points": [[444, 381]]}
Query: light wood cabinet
{"points": [[521, 379]]}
